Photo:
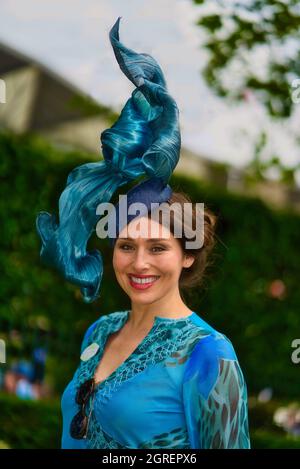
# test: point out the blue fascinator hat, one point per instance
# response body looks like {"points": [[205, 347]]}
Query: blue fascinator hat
{"points": [[144, 142]]}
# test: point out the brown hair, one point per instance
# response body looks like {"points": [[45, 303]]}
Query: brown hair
{"points": [[194, 275]]}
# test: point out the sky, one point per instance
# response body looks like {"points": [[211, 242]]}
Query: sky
{"points": [[71, 37]]}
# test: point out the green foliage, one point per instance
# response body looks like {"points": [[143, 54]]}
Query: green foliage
{"points": [[256, 169], [235, 31], [30, 424], [255, 246], [264, 432], [260, 439], [30, 182]]}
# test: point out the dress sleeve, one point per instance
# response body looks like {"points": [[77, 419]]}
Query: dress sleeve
{"points": [[215, 396]]}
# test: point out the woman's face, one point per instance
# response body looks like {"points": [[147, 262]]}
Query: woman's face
{"points": [[148, 263]]}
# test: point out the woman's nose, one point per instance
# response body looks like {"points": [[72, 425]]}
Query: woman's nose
{"points": [[141, 259]]}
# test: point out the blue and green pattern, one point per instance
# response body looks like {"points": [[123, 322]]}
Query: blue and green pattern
{"points": [[182, 387]]}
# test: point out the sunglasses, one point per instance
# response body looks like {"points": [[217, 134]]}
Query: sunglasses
{"points": [[79, 423]]}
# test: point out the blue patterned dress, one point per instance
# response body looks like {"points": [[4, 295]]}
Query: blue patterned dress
{"points": [[182, 387]]}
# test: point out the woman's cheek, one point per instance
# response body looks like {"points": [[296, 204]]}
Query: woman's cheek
{"points": [[119, 262], [167, 263]]}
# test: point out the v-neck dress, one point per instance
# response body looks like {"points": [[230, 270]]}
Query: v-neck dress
{"points": [[182, 387]]}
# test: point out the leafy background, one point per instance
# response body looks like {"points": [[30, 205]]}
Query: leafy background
{"points": [[255, 247]]}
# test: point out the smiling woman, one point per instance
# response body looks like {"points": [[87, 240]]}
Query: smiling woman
{"points": [[163, 261], [149, 271], [157, 375]]}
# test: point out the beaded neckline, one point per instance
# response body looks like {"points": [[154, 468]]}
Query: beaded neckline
{"points": [[158, 335], [158, 320], [164, 318]]}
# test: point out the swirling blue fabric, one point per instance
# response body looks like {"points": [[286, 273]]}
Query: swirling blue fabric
{"points": [[182, 387], [144, 142]]}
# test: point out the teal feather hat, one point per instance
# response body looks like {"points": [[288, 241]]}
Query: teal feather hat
{"points": [[144, 141]]}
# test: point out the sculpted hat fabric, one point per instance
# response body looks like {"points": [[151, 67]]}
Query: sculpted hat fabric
{"points": [[144, 142]]}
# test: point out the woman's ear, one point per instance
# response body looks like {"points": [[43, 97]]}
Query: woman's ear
{"points": [[188, 261]]}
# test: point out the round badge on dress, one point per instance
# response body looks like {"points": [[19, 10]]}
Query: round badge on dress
{"points": [[89, 351]]}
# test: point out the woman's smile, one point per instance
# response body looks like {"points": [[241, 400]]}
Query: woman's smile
{"points": [[142, 282]]}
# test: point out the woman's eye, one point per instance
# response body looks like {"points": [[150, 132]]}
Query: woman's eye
{"points": [[158, 247], [127, 247]]}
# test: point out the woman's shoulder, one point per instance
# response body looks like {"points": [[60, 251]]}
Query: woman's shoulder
{"points": [[104, 318], [198, 321], [212, 342]]}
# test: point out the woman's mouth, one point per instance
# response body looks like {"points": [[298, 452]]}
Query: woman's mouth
{"points": [[142, 283]]}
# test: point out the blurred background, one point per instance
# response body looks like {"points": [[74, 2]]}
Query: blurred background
{"points": [[234, 71]]}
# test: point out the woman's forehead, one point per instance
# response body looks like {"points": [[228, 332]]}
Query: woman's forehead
{"points": [[147, 229]]}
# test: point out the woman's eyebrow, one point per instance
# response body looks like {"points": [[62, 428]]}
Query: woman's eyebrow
{"points": [[148, 240]]}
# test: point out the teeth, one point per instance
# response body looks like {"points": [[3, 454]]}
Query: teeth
{"points": [[143, 280]]}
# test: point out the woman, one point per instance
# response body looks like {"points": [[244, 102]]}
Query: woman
{"points": [[157, 375]]}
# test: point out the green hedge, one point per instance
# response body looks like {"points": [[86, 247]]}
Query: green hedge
{"points": [[261, 439], [255, 246], [30, 424]]}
